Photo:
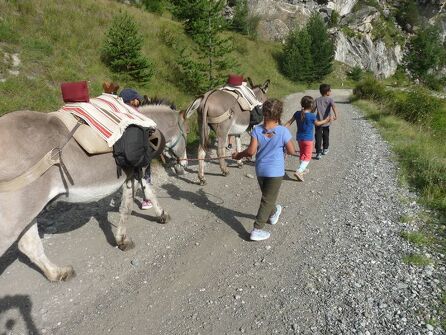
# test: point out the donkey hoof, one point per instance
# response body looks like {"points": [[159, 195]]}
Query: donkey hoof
{"points": [[63, 274], [126, 244], [225, 173], [164, 218], [203, 182], [179, 169]]}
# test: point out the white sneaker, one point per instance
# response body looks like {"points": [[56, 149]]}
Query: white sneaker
{"points": [[275, 217], [146, 204], [299, 176], [259, 235]]}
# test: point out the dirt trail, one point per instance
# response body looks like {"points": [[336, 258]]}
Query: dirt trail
{"points": [[333, 263]]}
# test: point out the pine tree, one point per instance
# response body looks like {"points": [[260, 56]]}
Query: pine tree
{"points": [[121, 50], [296, 61], [204, 22], [322, 49], [426, 52], [241, 17]]}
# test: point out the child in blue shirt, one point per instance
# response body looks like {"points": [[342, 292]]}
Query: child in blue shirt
{"points": [[306, 120], [269, 142]]}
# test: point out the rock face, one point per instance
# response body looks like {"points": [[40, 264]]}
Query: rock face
{"points": [[367, 54], [361, 46]]}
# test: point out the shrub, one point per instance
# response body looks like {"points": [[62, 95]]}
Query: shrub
{"points": [[253, 23], [370, 88], [355, 73], [417, 106], [121, 51], [154, 6]]}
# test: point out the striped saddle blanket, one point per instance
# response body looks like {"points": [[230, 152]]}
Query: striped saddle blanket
{"points": [[247, 99], [108, 115]]}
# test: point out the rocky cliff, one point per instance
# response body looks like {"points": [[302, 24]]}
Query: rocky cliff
{"points": [[365, 35]]}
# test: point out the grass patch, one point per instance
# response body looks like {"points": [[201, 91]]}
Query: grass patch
{"points": [[422, 156], [416, 238], [417, 260], [406, 218], [50, 38]]}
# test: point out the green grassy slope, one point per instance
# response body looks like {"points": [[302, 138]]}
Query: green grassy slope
{"points": [[59, 41]]}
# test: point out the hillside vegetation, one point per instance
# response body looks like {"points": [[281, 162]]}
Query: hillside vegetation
{"points": [[44, 43]]}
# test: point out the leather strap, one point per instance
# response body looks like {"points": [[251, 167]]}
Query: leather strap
{"points": [[51, 158], [226, 115]]}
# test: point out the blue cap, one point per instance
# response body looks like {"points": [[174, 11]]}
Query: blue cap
{"points": [[129, 94]]}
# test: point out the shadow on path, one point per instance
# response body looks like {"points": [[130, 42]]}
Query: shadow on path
{"points": [[24, 305], [201, 200]]}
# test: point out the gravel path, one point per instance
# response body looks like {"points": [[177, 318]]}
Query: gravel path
{"points": [[333, 264]]}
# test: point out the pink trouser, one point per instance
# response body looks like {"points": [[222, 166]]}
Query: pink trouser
{"points": [[305, 149]]}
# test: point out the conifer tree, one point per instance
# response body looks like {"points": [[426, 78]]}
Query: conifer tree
{"points": [[322, 50], [204, 22], [426, 52], [121, 50], [296, 62], [241, 16]]}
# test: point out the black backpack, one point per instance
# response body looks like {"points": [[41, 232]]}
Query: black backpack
{"points": [[256, 116], [132, 150]]}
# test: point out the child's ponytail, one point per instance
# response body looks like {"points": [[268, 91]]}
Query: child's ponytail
{"points": [[307, 104]]}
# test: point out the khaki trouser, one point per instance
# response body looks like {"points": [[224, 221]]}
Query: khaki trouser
{"points": [[270, 187]]}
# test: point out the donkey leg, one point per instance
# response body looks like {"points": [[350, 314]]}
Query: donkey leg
{"points": [[125, 209], [238, 144], [201, 157], [163, 216], [221, 152], [31, 245]]}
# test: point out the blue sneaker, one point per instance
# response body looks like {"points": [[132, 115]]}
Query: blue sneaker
{"points": [[318, 156], [259, 235], [275, 217]]}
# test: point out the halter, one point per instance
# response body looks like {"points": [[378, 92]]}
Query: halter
{"points": [[177, 140]]}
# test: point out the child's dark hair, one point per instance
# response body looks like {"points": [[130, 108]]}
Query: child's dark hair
{"points": [[272, 109], [324, 89], [307, 103]]}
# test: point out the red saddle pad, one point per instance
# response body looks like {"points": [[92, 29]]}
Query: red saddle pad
{"points": [[235, 80], [75, 91]]}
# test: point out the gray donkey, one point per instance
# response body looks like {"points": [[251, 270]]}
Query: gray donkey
{"points": [[221, 112], [25, 138]]}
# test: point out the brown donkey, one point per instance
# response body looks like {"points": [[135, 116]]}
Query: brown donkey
{"points": [[25, 138], [221, 112]]}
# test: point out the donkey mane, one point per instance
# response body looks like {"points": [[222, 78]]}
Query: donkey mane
{"points": [[156, 101]]}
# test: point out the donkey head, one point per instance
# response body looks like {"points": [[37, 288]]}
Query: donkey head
{"points": [[260, 90]]}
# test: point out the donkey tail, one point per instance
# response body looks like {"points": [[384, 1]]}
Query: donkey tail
{"points": [[193, 107], [204, 136]]}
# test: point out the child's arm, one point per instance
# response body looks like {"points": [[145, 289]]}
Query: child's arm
{"points": [[324, 121], [333, 107], [290, 122], [248, 152], [290, 149]]}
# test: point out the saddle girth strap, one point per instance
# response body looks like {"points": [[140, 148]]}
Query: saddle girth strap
{"points": [[51, 158], [226, 115]]}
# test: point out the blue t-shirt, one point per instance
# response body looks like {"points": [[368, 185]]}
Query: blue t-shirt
{"points": [[305, 127], [270, 160]]}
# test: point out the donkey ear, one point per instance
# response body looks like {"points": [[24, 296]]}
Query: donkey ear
{"points": [[114, 87], [265, 86], [250, 82], [106, 87]]}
